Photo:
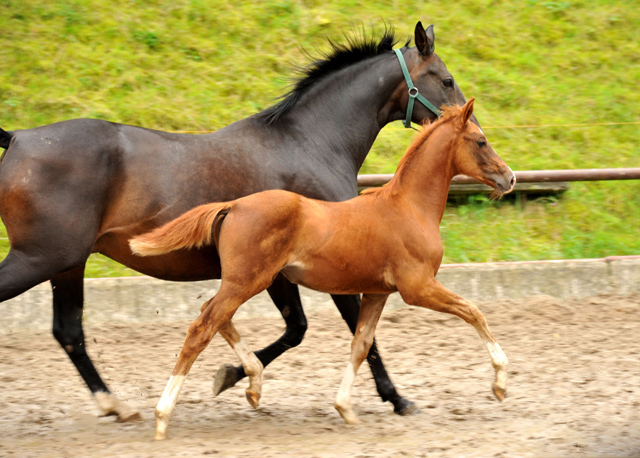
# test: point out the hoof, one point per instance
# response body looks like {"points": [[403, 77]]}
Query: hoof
{"points": [[226, 378], [109, 405], [129, 417], [499, 392], [348, 415], [404, 407], [253, 398]]}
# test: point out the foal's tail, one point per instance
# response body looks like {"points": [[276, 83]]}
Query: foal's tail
{"points": [[191, 230], [5, 138]]}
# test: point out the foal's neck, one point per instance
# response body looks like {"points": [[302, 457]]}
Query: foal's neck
{"points": [[425, 173]]}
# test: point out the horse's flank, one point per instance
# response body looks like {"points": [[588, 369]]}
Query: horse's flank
{"points": [[192, 230]]}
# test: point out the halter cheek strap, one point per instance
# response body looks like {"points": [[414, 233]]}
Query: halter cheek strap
{"points": [[413, 93]]}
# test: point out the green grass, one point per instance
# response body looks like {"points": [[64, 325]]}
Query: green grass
{"points": [[200, 65]]}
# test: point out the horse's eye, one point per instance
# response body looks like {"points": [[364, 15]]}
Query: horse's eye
{"points": [[448, 82], [481, 143]]}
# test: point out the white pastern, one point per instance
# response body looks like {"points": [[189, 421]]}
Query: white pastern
{"points": [[253, 368], [500, 362], [498, 357], [343, 399], [344, 393], [167, 403]]}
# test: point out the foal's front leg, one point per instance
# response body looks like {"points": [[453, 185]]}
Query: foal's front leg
{"points": [[436, 297], [250, 362], [370, 310]]}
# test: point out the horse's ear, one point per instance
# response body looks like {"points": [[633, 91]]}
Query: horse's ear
{"points": [[425, 39], [467, 110]]}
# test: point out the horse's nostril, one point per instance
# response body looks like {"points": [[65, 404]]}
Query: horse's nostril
{"points": [[513, 181]]}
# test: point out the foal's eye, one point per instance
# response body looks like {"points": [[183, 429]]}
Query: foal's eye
{"points": [[481, 143], [448, 82]]}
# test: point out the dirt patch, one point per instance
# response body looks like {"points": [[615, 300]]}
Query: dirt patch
{"points": [[574, 388]]}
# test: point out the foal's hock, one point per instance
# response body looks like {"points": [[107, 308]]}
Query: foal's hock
{"points": [[383, 241]]}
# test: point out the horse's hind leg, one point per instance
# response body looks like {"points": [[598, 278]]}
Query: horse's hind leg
{"points": [[251, 364], [286, 297], [19, 273], [67, 329], [436, 297], [349, 307], [372, 305]]}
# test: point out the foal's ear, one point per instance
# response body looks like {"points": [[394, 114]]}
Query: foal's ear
{"points": [[425, 39], [467, 110]]}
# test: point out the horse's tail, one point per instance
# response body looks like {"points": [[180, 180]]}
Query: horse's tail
{"points": [[5, 138], [193, 229]]}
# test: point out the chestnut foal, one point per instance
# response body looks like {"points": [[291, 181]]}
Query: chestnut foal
{"points": [[383, 241]]}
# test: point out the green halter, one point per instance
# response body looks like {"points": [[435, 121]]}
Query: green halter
{"points": [[413, 93]]}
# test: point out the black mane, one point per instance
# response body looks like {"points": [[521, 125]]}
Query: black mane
{"points": [[341, 55]]}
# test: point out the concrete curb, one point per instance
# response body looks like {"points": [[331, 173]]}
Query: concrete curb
{"points": [[145, 299]]}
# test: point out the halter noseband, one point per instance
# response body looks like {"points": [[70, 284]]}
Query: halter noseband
{"points": [[413, 93]]}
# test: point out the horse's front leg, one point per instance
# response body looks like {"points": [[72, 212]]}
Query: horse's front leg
{"points": [[370, 310], [436, 297], [250, 363]]}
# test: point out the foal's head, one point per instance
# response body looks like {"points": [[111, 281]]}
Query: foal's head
{"points": [[473, 155]]}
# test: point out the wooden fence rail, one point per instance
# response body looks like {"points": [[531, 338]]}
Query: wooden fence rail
{"points": [[549, 182]]}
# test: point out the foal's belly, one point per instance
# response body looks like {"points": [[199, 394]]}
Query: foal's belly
{"points": [[340, 278]]}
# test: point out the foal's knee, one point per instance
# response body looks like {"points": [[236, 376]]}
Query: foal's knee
{"points": [[472, 314], [197, 339], [360, 347]]}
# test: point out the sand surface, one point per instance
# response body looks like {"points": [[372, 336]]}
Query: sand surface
{"points": [[574, 388]]}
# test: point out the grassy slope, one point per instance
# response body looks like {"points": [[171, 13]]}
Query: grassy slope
{"points": [[198, 65]]}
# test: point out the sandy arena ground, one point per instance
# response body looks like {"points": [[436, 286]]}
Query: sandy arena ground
{"points": [[574, 389]]}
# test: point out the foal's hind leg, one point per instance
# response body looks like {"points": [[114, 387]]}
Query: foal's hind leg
{"points": [[436, 297], [286, 297], [250, 363], [370, 310], [214, 314]]}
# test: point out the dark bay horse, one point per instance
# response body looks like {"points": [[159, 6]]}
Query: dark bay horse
{"points": [[383, 241], [87, 186]]}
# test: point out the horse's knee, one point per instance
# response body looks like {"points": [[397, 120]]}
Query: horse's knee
{"points": [[71, 339], [294, 333]]}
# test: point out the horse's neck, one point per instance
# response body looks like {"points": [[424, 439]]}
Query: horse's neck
{"points": [[424, 178], [343, 114]]}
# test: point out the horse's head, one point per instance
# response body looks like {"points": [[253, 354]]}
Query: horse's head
{"points": [[430, 76], [475, 157]]}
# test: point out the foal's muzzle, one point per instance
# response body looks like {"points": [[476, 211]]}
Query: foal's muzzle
{"points": [[504, 182]]}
